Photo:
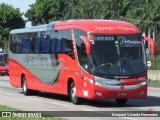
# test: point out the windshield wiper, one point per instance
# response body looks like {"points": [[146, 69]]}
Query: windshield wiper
{"points": [[104, 64]]}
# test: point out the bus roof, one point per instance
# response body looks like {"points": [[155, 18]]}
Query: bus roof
{"points": [[102, 26], [38, 28], [96, 26]]}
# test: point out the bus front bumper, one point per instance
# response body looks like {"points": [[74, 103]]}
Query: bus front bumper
{"points": [[115, 92]]}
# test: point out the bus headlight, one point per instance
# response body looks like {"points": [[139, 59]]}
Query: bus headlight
{"points": [[94, 82], [98, 83], [143, 83], [142, 79], [91, 81]]}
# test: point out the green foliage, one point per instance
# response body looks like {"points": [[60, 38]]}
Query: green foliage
{"points": [[44, 11], [143, 13], [31, 118], [158, 44], [155, 62], [6, 108], [10, 18], [155, 82]]}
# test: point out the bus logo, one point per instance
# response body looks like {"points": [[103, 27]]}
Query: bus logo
{"points": [[122, 87]]}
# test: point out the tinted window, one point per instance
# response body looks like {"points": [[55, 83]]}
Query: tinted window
{"points": [[12, 43], [43, 42], [112, 55], [33, 40], [2, 64], [80, 45], [58, 47], [61, 42], [18, 40], [46, 43], [26, 45], [53, 45], [37, 44]]}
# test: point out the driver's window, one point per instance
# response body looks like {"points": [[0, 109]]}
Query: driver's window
{"points": [[81, 49], [82, 55]]}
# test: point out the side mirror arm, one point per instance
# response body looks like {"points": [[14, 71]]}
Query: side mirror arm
{"points": [[87, 44]]}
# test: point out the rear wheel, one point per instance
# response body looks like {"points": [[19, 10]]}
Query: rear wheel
{"points": [[74, 98], [121, 101], [26, 91]]}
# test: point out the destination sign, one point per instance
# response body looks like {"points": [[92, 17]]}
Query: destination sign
{"points": [[104, 37], [129, 41]]}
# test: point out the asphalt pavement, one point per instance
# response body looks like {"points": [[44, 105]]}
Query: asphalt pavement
{"points": [[90, 110]]}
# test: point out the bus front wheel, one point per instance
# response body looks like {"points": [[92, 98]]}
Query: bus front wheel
{"points": [[26, 91], [75, 100], [121, 101]]}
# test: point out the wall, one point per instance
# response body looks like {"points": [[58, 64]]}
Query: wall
{"points": [[154, 74]]}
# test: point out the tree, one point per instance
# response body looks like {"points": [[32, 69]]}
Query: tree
{"points": [[10, 18], [45, 11], [145, 14], [51, 10]]}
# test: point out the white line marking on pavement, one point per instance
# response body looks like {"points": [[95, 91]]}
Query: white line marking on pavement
{"points": [[88, 110], [61, 104], [34, 99], [4, 78], [10, 94], [128, 118]]}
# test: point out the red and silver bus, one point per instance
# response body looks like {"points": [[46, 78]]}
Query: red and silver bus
{"points": [[91, 59]]}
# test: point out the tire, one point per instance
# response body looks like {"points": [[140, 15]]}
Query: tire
{"points": [[74, 99], [26, 91], [121, 101]]}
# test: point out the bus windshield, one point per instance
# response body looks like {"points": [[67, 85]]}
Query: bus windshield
{"points": [[117, 55]]}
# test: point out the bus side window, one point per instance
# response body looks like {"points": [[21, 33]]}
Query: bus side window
{"points": [[64, 44], [37, 45], [33, 40], [81, 49], [26, 45], [18, 39], [12, 43], [58, 45], [46, 44], [53, 45], [18, 47]]}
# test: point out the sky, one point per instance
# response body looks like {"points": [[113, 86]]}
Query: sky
{"points": [[23, 5]]}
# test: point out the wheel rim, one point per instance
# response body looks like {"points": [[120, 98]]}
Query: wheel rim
{"points": [[73, 93], [24, 86]]}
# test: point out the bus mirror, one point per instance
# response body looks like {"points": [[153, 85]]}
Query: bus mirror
{"points": [[87, 44], [152, 44]]}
